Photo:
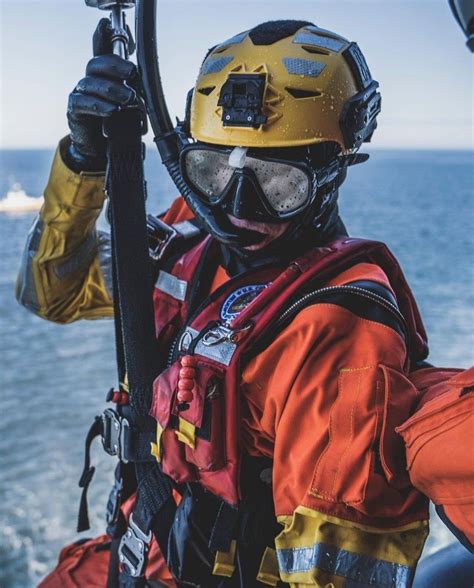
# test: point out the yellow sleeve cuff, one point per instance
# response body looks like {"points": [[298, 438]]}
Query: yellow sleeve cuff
{"points": [[317, 549]]}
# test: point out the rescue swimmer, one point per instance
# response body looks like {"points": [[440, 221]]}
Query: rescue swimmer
{"points": [[292, 352]]}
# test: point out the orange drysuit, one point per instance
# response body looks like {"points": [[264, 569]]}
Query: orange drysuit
{"points": [[321, 401]]}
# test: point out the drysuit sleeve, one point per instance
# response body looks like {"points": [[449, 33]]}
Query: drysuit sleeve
{"points": [[330, 391], [65, 272]]}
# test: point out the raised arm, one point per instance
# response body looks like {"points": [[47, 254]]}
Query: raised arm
{"points": [[65, 273], [65, 268]]}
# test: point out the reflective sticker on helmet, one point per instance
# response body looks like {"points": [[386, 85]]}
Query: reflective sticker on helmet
{"points": [[235, 40], [238, 300], [325, 32], [215, 64], [316, 40], [303, 67]]}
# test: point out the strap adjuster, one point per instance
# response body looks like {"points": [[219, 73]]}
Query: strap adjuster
{"points": [[113, 503], [133, 548], [160, 236], [115, 434]]}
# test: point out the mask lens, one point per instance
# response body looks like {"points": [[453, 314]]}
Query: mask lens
{"points": [[285, 187], [209, 171]]}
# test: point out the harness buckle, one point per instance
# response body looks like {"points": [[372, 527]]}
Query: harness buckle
{"points": [[133, 548], [115, 434]]}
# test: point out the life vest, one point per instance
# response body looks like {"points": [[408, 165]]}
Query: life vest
{"points": [[198, 439]]}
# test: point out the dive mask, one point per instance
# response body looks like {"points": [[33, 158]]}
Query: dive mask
{"points": [[284, 187]]}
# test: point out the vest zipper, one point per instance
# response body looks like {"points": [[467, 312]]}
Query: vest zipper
{"points": [[307, 299], [357, 290]]}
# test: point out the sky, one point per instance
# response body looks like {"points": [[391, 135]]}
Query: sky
{"points": [[414, 48]]}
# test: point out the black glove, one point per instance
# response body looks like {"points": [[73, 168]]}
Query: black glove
{"points": [[111, 83]]}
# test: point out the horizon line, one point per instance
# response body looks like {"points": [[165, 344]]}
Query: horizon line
{"points": [[368, 146]]}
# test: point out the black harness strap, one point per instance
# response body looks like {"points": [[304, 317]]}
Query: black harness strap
{"points": [[135, 341], [87, 475]]}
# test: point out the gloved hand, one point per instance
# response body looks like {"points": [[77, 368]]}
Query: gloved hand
{"points": [[111, 83]]}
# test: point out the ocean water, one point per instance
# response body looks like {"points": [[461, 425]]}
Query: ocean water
{"points": [[54, 378]]}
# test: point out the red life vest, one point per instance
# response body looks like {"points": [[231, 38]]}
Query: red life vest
{"points": [[198, 440]]}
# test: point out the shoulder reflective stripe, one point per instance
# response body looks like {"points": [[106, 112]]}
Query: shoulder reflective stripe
{"points": [[187, 229], [171, 285], [362, 569]]}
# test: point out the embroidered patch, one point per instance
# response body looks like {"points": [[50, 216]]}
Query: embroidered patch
{"points": [[235, 303]]}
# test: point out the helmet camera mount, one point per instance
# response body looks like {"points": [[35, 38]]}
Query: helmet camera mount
{"points": [[241, 99]]}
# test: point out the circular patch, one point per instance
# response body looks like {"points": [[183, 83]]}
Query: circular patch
{"points": [[235, 303]]}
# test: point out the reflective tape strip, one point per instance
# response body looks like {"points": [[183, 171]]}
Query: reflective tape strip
{"points": [[235, 40], [26, 293], [325, 32], [215, 64], [303, 67], [361, 569], [187, 229], [221, 352], [316, 40], [171, 285], [105, 260]]}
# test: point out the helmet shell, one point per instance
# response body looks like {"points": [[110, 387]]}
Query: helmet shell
{"points": [[309, 83]]}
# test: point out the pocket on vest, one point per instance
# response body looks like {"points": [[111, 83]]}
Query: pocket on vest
{"points": [[190, 439]]}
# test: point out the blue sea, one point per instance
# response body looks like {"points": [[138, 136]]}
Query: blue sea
{"points": [[54, 378]]}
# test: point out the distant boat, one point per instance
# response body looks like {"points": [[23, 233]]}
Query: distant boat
{"points": [[17, 200]]}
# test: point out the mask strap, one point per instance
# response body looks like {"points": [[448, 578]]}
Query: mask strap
{"points": [[237, 157]]}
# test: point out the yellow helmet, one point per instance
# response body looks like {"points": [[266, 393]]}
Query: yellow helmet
{"points": [[284, 84]]}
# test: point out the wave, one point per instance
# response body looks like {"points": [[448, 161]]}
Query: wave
{"points": [[17, 200]]}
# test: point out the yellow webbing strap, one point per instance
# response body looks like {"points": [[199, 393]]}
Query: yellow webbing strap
{"points": [[224, 563], [124, 384], [155, 451], [186, 433], [268, 572], [156, 447]]}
